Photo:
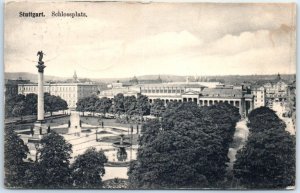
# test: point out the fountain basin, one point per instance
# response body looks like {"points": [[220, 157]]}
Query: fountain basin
{"points": [[123, 145]]}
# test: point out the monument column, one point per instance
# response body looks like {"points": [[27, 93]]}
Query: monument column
{"points": [[40, 103], [40, 110], [40, 129]]}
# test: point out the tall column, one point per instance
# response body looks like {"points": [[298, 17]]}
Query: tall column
{"points": [[40, 68], [40, 109]]}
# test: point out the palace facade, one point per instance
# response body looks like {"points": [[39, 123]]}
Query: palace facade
{"points": [[70, 92], [190, 92]]}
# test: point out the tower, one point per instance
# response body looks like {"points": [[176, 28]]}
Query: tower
{"points": [[75, 78]]}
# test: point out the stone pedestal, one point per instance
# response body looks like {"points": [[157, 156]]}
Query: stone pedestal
{"points": [[39, 131]]}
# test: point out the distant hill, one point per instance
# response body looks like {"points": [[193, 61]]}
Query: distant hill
{"points": [[228, 79], [29, 76]]}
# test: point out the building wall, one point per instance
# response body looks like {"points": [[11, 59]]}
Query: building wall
{"points": [[189, 92], [70, 92], [276, 90], [201, 96], [259, 97]]}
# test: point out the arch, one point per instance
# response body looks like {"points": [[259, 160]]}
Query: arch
{"points": [[201, 102]]}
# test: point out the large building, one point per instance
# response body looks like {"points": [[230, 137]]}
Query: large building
{"points": [[259, 94], [194, 92], [11, 86], [70, 92], [277, 89], [203, 96]]}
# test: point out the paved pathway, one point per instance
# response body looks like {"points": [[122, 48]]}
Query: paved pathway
{"points": [[280, 110], [239, 140], [80, 143], [113, 172]]}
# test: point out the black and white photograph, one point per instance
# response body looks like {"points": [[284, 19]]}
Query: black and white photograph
{"points": [[149, 95]]}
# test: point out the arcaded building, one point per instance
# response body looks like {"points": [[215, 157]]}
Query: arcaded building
{"points": [[193, 92], [200, 94]]}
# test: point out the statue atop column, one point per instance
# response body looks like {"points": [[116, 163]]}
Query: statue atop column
{"points": [[40, 65]]}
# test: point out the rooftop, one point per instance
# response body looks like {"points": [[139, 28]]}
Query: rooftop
{"points": [[222, 92], [174, 84]]}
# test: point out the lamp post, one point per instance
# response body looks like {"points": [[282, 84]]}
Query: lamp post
{"points": [[131, 129], [97, 129]]}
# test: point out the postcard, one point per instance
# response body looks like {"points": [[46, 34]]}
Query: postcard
{"points": [[149, 95]]}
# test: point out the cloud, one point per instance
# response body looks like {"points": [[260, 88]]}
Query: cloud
{"points": [[163, 44], [122, 40], [234, 44]]}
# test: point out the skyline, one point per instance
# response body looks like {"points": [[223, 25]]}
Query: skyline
{"points": [[132, 39]]}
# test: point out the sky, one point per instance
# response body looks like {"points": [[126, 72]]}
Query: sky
{"points": [[118, 40]]}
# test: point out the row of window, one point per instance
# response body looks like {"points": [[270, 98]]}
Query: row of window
{"points": [[58, 88], [162, 90], [201, 102]]}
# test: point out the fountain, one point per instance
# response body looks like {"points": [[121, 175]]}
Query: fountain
{"points": [[121, 145]]}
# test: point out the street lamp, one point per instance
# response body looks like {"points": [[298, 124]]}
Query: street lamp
{"points": [[131, 142], [160, 120], [97, 129]]}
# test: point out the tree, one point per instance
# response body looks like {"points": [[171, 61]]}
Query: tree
{"points": [[52, 167], [158, 108], [82, 105], [10, 102], [103, 105], [91, 103], [267, 161], [54, 103], [268, 158], [31, 103], [182, 150], [264, 118], [15, 151], [222, 119], [119, 104], [130, 105], [88, 169], [19, 109], [142, 105]]}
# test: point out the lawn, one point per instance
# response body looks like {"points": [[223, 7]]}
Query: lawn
{"points": [[96, 121], [54, 122]]}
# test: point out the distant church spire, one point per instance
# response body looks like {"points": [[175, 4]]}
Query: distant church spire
{"points": [[75, 78], [278, 77]]}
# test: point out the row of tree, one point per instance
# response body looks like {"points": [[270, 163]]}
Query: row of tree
{"points": [[186, 148], [121, 104], [268, 159], [52, 169], [21, 105]]}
